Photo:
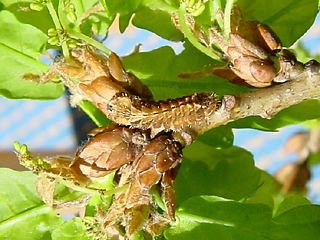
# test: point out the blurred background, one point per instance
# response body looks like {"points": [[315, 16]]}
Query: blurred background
{"points": [[52, 128]]}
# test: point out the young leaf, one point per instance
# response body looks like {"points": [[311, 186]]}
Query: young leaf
{"points": [[90, 16], [70, 230], [20, 48]]}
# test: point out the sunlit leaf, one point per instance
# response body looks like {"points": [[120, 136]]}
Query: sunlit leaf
{"points": [[21, 10], [207, 216], [23, 214], [92, 17], [70, 230], [19, 56]]}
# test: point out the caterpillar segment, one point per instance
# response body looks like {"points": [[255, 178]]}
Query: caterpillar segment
{"points": [[186, 113]]}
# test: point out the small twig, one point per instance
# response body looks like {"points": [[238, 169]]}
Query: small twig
{"points": [[217, 11], [185, 29], [227, 18], [89, 40]]}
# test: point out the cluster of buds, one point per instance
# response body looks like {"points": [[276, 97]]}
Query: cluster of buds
{"points": [[194, 7], [58, 36]]}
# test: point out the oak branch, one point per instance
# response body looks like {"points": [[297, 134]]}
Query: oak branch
{"points": [[267, 102]]}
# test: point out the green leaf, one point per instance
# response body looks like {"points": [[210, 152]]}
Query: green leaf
{"points": [[125, 9], [19, 55], [70, 230], [158, 22], [204, 216], [302, 222], [219, 137], [160, 70], [227, 172], [290, 19], [314, 159], [122, 7], [265, 194], [95, 114], [17, 193], [302, 54], [23, 214], [291, 202], [188, 33], [155, 16]]}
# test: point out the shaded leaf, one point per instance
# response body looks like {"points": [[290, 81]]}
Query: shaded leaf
{"points": [[291, 202], [314, 159], [155, 16], [220, 137], [266, 192], [160, 70], [125, 9], [227, 172], [299, 15], [122, 7]]}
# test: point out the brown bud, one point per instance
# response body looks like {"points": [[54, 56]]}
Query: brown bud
{"points": [[269, 37], [263, 72], [106, 151]]}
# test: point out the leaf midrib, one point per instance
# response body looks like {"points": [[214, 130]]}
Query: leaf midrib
{"points": [[23, 216]]}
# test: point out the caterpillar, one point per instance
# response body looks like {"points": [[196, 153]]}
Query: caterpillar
{"points": [[177, 115], [126, 100]]}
